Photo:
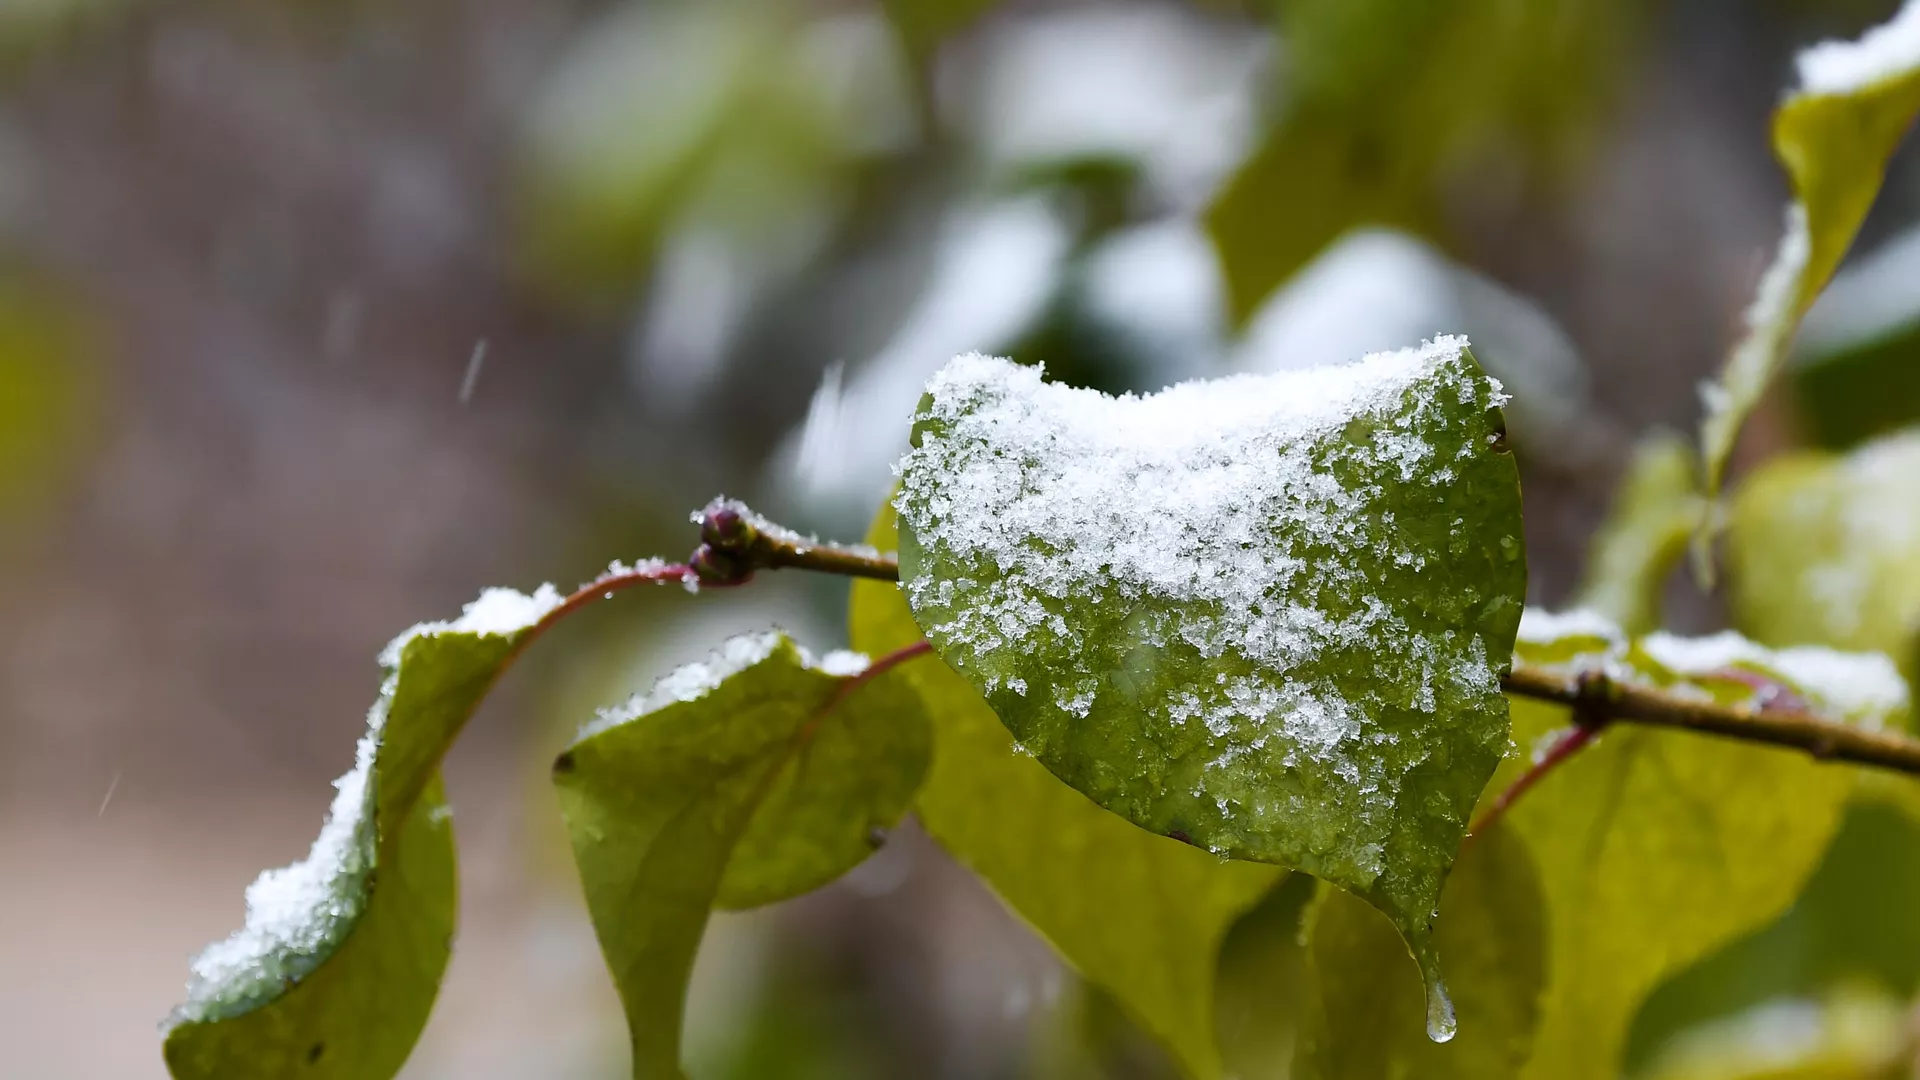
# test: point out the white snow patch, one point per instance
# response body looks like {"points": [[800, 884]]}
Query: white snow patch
{"points": [[1884, 52], [1865, 686], [693, 681], [1158, 496], [1541, 627]]}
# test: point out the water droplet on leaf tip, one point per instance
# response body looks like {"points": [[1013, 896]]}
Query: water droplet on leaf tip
{"points": [[1441, 1025]]}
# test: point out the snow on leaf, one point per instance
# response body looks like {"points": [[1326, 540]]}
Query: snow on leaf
{"points": [[1826, 548], [757, 775], [1834, 134], [1266, 613], [341, 954]]}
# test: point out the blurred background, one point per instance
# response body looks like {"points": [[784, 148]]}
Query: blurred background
{"points": [[316, 318]]}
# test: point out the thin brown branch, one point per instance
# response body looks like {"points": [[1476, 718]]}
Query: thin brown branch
{"points": [[1798, 728], [736, 542], [739, 541]]}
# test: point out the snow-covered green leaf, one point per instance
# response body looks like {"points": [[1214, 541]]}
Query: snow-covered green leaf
{"points": [[1834, 134], [1826, 548], [1267, 614], [1139, 915], [1655, 847], [758, 775], [341, 956], [1645, 534], [1493, 933]]}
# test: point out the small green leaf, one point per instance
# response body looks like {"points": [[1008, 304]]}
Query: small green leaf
{"points": [[1655, 847], [1141, 916], [1492, 929], [1825, 548], [1658, 507], [1266, 613], [1834, 134], [341, 957], [754, 777]]}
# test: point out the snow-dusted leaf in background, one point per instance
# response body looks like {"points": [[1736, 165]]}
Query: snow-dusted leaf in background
{"points": [[1141, 916], [1826, 548], [755, 776], [341, 956], [1266, 614], [1656, 847], [1833, 133]]}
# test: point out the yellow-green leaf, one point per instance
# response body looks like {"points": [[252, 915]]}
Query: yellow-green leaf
{"points": [[1655, 847]]}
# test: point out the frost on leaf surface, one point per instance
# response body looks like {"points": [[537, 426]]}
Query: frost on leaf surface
{"points": [[757, 775], [341, 954], [1834, 134], [1266, 614]]}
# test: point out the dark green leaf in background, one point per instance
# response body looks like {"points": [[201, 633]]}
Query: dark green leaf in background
{"points": [[1141, 916], [341, 957], [1266, 614], [756, 776]]}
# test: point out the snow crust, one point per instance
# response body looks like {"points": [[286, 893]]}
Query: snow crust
{"points": [[1159, 497], [693, 681], [1884, 52], [295, 912]]}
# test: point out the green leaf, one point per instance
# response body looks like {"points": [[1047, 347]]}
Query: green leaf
{"points": [[1139, 915], [1656, 847], [1267, 613], [756, 776], [1492, 929], [1834, 134], [337, 967], [1658, 507], [1379, 118], [1824, 548]]}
